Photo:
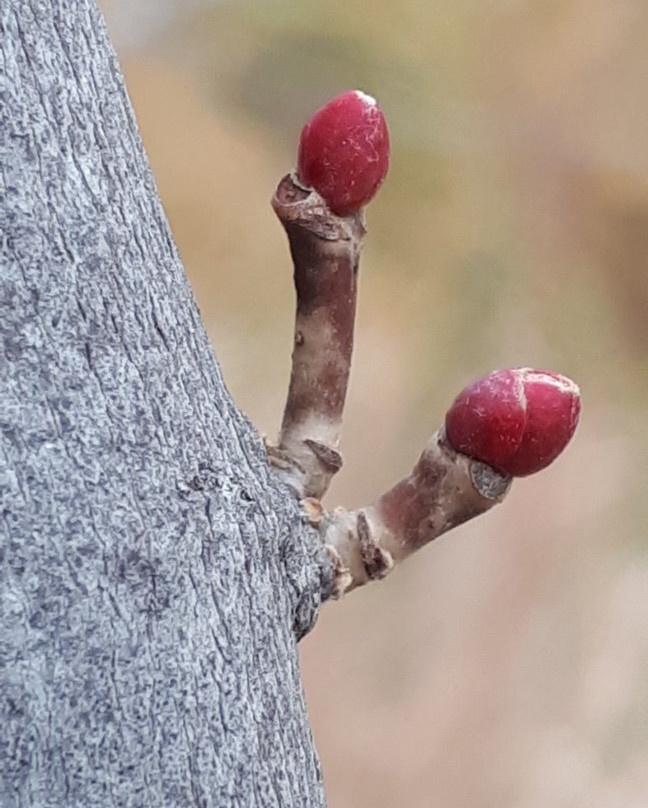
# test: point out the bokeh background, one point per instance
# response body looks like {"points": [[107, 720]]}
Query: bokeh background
{"points": [[507, 664]]}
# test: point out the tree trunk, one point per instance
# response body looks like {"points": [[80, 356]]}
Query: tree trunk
{"points": [[155, 576]]}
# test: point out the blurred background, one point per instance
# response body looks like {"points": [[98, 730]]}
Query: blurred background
{"points": [[507, 664]]}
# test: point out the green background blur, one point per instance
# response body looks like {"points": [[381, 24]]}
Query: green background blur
{"points": [[505, 666]]}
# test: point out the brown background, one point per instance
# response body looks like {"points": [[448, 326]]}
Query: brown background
{"points": [[506, 665]]}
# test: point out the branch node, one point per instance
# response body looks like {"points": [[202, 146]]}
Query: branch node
{"points": [[282, 459], [342, 575], [327, 455], [377, 562], [313, 511]]}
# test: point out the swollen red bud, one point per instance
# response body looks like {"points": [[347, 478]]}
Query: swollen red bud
{"points": [[344, 151], [517, 421]]}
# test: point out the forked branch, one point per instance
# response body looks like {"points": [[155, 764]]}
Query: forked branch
{"points": [[510, 423]]}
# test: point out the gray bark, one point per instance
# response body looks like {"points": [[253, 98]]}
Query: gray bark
{"points": [[155, 577]]}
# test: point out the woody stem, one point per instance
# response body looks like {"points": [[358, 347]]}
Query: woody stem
{"points": [[325, 250]]}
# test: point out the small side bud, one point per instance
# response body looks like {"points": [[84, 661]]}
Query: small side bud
{"points": [[344, 151], [518, 421]]}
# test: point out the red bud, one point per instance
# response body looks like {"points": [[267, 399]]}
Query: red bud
{"points": [[344, 151], [517, 421]]}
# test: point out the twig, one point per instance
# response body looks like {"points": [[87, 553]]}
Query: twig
{"points": [[325, 250], [444, 490]]}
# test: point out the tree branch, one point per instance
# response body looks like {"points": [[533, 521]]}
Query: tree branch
{"points": [[325, 249]]}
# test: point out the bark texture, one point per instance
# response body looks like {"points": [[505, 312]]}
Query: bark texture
{"points": [[155, 577]]}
